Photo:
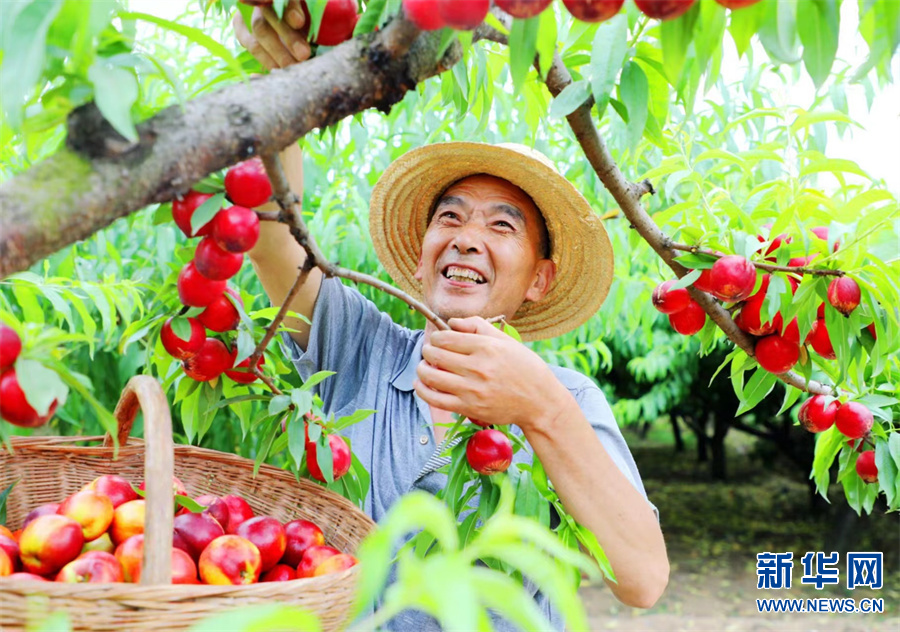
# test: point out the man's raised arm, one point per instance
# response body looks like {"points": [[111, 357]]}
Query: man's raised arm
{"points": [[277, 257]]}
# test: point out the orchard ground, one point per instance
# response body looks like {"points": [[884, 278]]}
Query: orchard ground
{"points": [[714, 531]]}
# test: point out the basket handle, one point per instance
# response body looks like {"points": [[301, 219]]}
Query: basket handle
{"points": [[144, 392]]}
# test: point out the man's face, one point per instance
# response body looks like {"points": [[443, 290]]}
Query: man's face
{"points": [[481, 255]]}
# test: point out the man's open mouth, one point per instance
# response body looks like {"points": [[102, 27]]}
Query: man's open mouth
{"points": [[462, 275]]}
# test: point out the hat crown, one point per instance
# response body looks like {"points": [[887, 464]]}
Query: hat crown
{"points": [[529, 152]]}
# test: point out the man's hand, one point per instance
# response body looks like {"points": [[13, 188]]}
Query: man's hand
{"points": [[480, 372], [275, 44]]}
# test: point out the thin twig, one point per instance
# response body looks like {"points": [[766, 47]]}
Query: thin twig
{"points": [[269, 216], [276, 322], [762, 266], [268, 382], [628, 195], [359, 277]]}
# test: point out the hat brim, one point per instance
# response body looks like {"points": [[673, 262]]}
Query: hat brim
{"points": [[580, 247]]}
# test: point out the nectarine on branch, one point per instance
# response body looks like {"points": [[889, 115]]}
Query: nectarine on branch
{"points": [[758, 264]]}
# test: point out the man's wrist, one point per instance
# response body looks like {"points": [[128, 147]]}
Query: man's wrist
{"points": [[552, 411]]}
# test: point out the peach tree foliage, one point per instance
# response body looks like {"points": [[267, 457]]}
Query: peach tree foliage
{"points": [[725, 159]]}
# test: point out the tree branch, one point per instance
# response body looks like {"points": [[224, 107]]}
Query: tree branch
{"points": [[100, 176], [762, 266], [628, 196]]}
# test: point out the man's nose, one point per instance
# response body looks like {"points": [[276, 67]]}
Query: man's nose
{"points": [[468, 239]]}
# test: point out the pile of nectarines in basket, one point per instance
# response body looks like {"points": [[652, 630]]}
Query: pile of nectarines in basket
{"points": [[96, 535]]}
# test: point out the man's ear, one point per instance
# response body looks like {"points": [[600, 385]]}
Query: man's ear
{"points": [[544, 274], [418, 275]]}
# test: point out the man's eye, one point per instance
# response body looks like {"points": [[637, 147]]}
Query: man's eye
{"points": [[504, 224], [448, 215]]}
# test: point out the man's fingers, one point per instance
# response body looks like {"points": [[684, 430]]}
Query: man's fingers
{"points": [[293, 40], [249, 42], [457, 341], [475, 325], [438, 380], [294, 15], [444, 401], [269, 40], [446, 360]]}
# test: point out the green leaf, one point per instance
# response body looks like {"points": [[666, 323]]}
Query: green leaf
{"points": [[634, 91], [620, 108], [315, 378], [115, 92], [4, 495], [181, 327], [266, 447], [257, 618], [791, 395], [188, 503], [246, 345], [279, 404], [522, 47], [610, 46], [758, 386], [696, 261], [778, 31], [197, 36], [509, 330], [744, 25], [325, 458], [887, 472], [302, 400], [206, 211], [546, 44], [676, 36], [296, 440], [240, 398], [505, 596], [343, 422], [828, 445], [686, 280], [40, 385], [24, 50], [371, 18], [818, 30], [709, 33], [894, 446], [569, 100]]}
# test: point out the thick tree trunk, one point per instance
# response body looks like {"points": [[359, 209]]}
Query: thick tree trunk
{"points": [[99, 176], [721, 426], [702, 443], [844, 530], [676, 433]]}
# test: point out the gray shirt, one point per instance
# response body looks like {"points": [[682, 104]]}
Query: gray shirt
{"points": [[375, 360]]}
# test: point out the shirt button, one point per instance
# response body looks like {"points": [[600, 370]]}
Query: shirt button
{"points": [[423, 439]]}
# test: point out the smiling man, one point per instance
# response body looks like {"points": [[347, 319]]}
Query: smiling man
{"points": [[476, 231]]}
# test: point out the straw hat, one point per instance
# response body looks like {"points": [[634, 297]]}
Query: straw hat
{"points": [[409, 188]]}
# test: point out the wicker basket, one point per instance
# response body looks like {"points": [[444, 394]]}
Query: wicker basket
{"points": [[47, 469]]}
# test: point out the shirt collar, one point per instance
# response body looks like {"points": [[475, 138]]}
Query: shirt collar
{"points": [[404, 379]]}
